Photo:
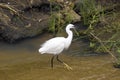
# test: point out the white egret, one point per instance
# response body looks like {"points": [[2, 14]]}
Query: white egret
{"points": [[56, 45]]}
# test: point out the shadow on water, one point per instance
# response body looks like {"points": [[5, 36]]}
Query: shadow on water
{"points": [[22, 61]]}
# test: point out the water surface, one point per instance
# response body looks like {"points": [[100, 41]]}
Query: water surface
{"points": [[22, 61]]}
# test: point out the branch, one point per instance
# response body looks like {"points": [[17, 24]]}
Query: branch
{"points": [[104, 46], [9, 7], [15, 11]]}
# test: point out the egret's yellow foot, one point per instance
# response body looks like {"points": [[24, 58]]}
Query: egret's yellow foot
{"points": [[67, 66]]}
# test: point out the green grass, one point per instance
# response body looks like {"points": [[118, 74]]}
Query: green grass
{"points": [[58, 19], [103, 25]]}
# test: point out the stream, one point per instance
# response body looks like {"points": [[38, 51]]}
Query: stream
{"points": [[22, 61]]}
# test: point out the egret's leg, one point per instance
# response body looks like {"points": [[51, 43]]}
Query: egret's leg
{"points": [[66, 65], [52, 61]]}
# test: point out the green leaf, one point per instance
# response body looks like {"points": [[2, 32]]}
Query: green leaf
{"points": [[118, 50], [92, 44]]}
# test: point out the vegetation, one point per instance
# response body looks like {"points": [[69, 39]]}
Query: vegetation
{"points": [[58, 19], [102, 31]]}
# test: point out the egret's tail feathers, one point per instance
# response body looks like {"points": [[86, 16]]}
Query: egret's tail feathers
{"points": [[41, 51]]}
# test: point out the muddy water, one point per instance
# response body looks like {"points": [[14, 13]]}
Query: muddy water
{"points": [[22, 61]]}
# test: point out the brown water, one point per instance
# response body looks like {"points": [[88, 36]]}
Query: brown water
{"points": [[23, 62]]}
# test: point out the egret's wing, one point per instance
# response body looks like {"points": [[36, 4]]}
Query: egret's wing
{"points": [[54, 45]]}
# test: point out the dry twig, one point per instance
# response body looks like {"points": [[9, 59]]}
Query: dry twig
{"points": [[104, 46], [9, 7]]}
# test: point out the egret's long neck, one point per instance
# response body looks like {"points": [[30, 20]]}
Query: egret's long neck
{"points": [[70, 35], [69, 38]]}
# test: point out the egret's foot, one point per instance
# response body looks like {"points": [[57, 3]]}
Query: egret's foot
{"points": [[67, 66]]}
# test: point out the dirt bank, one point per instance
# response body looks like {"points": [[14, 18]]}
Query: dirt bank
{"points": [[21, 19]]}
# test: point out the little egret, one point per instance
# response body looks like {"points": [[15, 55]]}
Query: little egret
{"points": [[56, 45]]}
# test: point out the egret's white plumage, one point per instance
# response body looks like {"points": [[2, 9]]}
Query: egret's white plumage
{"points": [[53, 46], [58, 44]]}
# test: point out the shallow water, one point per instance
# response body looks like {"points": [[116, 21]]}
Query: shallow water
{"points": [[22, 61]]}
